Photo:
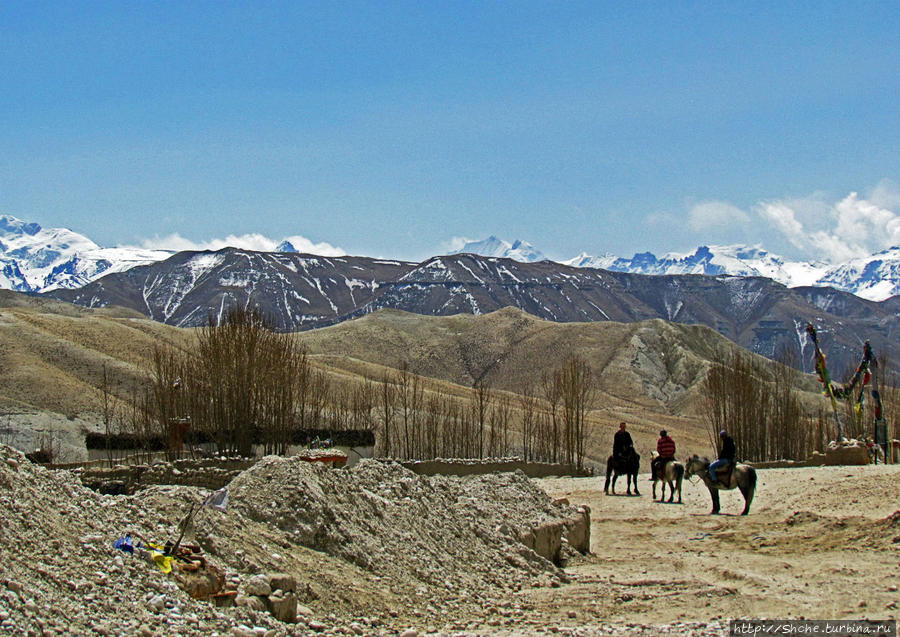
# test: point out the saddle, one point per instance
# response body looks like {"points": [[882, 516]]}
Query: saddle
{"points": [[723, 474], [658, 467]]}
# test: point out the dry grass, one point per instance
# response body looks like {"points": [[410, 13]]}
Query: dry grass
{"points": [[647, 374]]}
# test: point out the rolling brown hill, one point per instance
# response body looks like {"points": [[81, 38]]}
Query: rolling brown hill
{"points": [[53, 355]]}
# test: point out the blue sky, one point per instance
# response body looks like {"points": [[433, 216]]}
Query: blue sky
{"points": [[391, 128]]}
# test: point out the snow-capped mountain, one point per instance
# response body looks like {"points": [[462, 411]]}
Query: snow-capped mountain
{"points": [[734, 260], [876, 277], [301, 291], [36, 259], [493, 247]]}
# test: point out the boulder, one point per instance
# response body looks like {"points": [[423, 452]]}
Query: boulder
{"points": [[283, 606], [283, 581], [258, 585]]}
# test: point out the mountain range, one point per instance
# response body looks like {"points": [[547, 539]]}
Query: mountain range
{"points": [[305, 291], [37, 259], [301, 291], [875, 277]]}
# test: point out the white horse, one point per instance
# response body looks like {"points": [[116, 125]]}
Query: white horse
{"points": [[671, 475]]}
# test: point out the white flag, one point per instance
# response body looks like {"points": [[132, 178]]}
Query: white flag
{"points": [[217, 499]]}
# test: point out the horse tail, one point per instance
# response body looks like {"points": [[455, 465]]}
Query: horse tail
{"points": [[749, 489], [679, 471]]}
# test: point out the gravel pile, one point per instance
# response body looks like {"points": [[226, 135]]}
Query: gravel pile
{"points": [[449, 534], [436, 548], [372, 550], [61, 575]]}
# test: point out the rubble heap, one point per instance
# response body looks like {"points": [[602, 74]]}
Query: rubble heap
{"points": [[61, 575], [369, 549], [446, 532]]}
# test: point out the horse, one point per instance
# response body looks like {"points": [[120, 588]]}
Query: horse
{"points": [[672, 474], [742, 476], [628, 465]]}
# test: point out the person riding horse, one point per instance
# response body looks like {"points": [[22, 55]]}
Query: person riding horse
{"points": [[726, 457], [622, 443], [665, 447]]}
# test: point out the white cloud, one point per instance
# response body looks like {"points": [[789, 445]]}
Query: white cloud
{"points": [[709, 215], [841, 230], [252, 241], [454, 244], [886, 195]]}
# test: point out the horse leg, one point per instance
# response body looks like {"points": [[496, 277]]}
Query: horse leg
{"points": [[609, 472], [634, 478], [671, 492], [747, 490], [715, 499], [654, 489]]}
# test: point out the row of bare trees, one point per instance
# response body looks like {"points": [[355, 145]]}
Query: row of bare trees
{"points": [[757, 401], [244, 384]]}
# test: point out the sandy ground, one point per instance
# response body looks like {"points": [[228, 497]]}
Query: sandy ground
{"points": [[818, 543]]}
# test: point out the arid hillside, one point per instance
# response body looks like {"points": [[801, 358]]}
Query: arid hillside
{"points": [[54, 355]]}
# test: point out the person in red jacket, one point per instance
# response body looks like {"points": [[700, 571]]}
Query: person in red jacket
{"points": [[665, 447]]}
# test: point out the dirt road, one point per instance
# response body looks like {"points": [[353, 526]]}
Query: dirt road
{"points": [[819, 543]]}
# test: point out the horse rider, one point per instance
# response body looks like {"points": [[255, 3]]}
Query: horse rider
{"points": [[726, 456], [665, 449], [621, 442]]}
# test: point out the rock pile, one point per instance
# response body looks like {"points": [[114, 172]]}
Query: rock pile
{"points": [[446, 533], [61, 575], [370, 550]]}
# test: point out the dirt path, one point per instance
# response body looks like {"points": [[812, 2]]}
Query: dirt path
{"points": [[819, 543]]}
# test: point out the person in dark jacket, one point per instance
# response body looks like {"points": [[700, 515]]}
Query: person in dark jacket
{"points": [[665, 448], [621, 442], [726, 456]]}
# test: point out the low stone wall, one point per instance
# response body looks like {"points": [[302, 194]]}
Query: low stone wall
{"points": [[476, 467], [547, 539], [850, 452], [210, 473]]}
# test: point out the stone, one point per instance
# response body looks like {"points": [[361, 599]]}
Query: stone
{"points": [[258, 585], [157, 603], [283, 607], [252, 602], [284, 581]]}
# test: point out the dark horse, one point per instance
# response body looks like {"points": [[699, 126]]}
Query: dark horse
{"points": [[743, 476], [627, 465]]}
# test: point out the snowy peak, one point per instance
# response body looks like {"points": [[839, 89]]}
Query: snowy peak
{"points": [[731, 260], [36, 259], [493, 247], [10, 226], [875, 277]]}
